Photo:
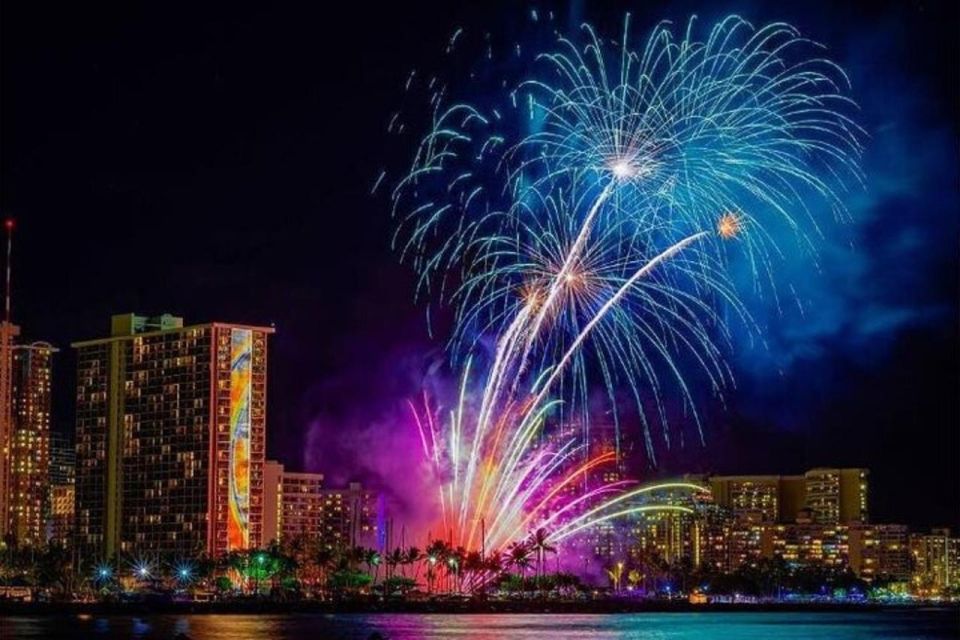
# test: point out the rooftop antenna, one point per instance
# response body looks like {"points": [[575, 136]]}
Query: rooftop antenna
{"points": [[8, 225]]}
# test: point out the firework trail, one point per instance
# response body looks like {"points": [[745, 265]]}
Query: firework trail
{"points": [[588, 222]]}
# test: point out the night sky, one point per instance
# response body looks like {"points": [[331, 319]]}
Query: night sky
{"points": [[217, 164]]}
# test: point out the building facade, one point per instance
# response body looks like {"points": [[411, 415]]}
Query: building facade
{"points": [[936, 562], [831, 496], [62, 512], [25, 383], [171, 436], [297, 505], [62, 490], [8, 336], [837, 495], [272, 498], [880, 551], [808, 544]]}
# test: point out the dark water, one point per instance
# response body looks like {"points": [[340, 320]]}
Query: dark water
{"points": [[900, 624]]}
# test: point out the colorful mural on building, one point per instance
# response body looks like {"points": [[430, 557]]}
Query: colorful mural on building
{"points": [[238, 523]]}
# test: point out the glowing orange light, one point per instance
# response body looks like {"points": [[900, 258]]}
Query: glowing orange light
{"points": [[532, 294], [729, 225]]}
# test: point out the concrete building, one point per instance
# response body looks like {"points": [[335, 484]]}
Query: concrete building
{"points": [[880, 551], [293, 504], [759, 499], [28, 443], [62, 513], [831, 496], [62, 499], [807, 544], [298, 505], [272, 497], [171, 435], [936, 562], [837, 495]]}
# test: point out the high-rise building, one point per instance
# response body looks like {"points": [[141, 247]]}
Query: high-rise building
{"points": [[936, 561], [25, 372], [830, 496], [171, 435], [880, 551], [62, 490], [272, 501], [63, 459], [716, 528], [62, 512], [807, 544], [350, 515], [302, 505], [8, 335], [28, 443], [293, 504], [759, 499], [296, 504], [837, 495]]}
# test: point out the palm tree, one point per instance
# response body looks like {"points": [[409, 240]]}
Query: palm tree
{"points": [[323, 558], [412, 556], [394, 559], [371, 558], [454, 565], [473, 566], [539, 545], [518, 556], [493, 563], [436, 556]]}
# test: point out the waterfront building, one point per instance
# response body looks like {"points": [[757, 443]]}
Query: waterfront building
{"points": [[62, 507], [807, 544], [170, 438], [272, 497], [61, 502], [8, 335], [63, 459], [28, 443], [298, 505], [880, 551], [837, 495], [936, 562], [759, 498], [832, 496], [349, 516]]}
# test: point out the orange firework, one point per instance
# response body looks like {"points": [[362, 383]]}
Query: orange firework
{"points": [[729, 225]]}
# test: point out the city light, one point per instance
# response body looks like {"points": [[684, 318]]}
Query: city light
{"points": [[142, 570], [103, 573], [184, 572]]}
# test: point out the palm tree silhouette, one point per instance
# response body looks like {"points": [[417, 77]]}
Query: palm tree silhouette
{"points": [[538, 543]]}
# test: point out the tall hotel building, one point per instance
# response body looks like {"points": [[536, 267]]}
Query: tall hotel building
{"points": [[298, 505], [63, 462], [171, 423], [827, 496], [25, 372]]}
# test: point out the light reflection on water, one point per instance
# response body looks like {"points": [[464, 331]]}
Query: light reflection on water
{"points": [[900, 625]]}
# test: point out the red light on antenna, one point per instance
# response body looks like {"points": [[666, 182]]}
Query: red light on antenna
{"points": [[8, 223]]}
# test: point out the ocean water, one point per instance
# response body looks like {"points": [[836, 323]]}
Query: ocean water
{"points": [[899, 624]]}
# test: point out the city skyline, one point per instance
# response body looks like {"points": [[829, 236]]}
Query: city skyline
{"points": [[898, 389]]}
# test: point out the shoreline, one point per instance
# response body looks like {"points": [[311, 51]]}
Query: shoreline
{"points": [[489, 607]]}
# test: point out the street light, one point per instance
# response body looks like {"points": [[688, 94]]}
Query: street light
{"points": [[103, 572], [142, 570]]}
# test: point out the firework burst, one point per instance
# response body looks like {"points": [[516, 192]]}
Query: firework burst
{"points": [[588, 227]]}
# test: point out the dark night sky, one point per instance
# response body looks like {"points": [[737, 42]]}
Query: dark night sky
{"points": [[217, 164]]}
